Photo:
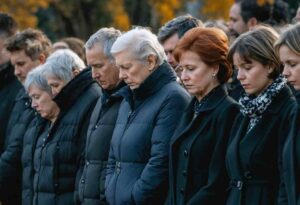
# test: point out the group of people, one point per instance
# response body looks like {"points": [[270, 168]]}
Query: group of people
{"points": [[187, 116]]}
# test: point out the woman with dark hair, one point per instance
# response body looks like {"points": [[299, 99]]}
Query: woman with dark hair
{"points": [[197, 169], [258, 134]]}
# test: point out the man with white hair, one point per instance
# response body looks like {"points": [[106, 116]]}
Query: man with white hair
{"points": [[137, 170]]}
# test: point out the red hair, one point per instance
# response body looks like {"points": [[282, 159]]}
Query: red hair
{"points": [[211, 45]]}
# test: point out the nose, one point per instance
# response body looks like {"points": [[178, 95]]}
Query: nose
{"points": [[33, 104], [122, 74], [184, 76], [54, 92], [17, 71], [240, 75], [286, 71], [95, 74]]}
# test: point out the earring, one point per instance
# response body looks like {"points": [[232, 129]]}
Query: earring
{"points": [[214, 75]]}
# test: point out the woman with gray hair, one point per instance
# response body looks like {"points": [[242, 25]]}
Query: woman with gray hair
{"points": [[137, 170], [41, 100], [57, 156]]}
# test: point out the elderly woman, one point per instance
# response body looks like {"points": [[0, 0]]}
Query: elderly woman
{"points": [[197, 169], [57, 155], [288, 47], [41, 98], [138, 159], [260, 129]]}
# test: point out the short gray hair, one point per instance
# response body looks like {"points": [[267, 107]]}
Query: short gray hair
{"points": [[104, 37], [36, 77], [62, 63], [141, 43]]}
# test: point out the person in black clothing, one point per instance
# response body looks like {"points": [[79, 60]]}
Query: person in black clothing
{"points": [[57, 155], [288, 48], [267, 107], [197, 171], [27, 50], [9, 84], [137, 170], [41, 100], [103, 119]]}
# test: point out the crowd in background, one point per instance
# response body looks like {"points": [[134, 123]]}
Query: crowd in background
{"points": [[201, 113]]}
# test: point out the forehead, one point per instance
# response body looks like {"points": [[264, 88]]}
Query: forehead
{"points": [[34, 89], [95, 52], [19, 56], [170, 42], [235, 10], [123, 57]]}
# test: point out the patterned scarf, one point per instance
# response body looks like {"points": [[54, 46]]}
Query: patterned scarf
{"points": [[254, 107]]}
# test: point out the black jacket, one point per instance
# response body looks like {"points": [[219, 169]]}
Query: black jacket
{"points": [[57, 156], [253, 159], [9, 87], [197, 157], [137, 170], [101, 126], [290, 170]]}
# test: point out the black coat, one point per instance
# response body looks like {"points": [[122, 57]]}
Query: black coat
{"points": [[57, 156], [10, 162], [9, 87], [197, 166], [101, 126], [253, 159], [290, 171], [38, 128], [137, 170]]}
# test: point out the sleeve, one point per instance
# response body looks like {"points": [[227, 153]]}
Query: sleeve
{"points": [[154, 178], [214, 191]]}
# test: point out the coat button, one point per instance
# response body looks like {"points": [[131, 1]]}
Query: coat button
{"points": [[185, 153], [96, 126], [87, 163], [248, 175], [82, 181], [182, 190], [184, 172]]}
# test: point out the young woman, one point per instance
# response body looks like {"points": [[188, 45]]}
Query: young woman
{"points": [[260, 129]]}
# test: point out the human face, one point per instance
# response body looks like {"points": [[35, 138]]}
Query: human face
{"points": [[291, 63], [103, 70], [236, 23], [198, 77], [132, 71], [4, 55], [169, 46], [42, 103], [23, 64], [252, 75], [55, 83]]}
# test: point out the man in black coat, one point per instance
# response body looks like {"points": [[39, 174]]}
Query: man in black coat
{"points": [[103, 119], [9, 85], [27, 50]]}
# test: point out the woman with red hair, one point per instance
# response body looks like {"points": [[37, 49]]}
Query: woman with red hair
{"points": [[197, 169]]}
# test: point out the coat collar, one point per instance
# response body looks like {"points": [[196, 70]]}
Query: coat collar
{"points": [[117, 92], [70, 92], [154, 82]]}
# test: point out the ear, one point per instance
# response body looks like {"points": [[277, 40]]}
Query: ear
{"points": [[75, 72], [252, 22], [42, 58], [270, 68], [215, 69], [152, 60]]}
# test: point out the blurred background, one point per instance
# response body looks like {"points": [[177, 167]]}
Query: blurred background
{"points": [[81, 18]]}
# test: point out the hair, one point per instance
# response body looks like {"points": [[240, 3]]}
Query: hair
{"points": [[8, 25], [75, 44], [258, 45], [140, 43], [62, 63], [290, 38], [36, 77], [179, 25], [211, 45], [104, 37], [34, 42]]}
